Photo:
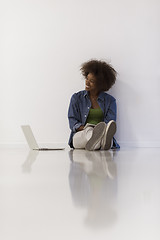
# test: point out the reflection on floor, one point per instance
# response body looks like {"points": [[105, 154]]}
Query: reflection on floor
{"points": [[77, 194], [93, 185]]}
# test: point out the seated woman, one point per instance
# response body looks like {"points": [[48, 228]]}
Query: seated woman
{"points": [[92, 112]]}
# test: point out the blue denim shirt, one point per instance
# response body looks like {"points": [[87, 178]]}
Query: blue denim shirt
{"points": [[79, 107]]}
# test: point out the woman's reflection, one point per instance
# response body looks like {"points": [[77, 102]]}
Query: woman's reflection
{"points": [[93, 185]]}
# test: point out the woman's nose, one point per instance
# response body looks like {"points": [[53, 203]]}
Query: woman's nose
{"points": [[87, 81]]}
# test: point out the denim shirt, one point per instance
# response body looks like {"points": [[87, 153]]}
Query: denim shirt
{"points": [[79, 107]]}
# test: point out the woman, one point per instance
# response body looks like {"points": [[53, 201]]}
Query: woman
{"points": [[92, 112]]}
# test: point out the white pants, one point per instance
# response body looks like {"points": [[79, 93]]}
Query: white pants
{"points": [[82, 137]]}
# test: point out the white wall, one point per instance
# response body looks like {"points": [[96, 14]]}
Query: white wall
{"points": [[44, 42]]}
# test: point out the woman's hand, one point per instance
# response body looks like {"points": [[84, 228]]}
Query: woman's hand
{"points": [[80, 128]]}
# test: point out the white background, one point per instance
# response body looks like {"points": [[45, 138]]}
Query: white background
{"points": [[44, 42]]}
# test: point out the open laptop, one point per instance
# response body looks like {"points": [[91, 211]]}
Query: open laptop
{"points": [[32, 141]]}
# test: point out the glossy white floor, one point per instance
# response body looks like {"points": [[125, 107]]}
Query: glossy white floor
{"points": [[80, 195]]}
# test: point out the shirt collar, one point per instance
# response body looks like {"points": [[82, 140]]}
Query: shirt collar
{"points": [[101, 95], [85, 93]]}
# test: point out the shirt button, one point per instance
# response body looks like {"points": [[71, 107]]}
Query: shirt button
{"points": [[85, 115], [88, 107]]}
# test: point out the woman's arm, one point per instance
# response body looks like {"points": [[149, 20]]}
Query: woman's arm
{"points": [[111, 111], [74, 115]]}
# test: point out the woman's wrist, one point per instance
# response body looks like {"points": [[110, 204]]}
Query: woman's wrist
{"points": [[80, 128]]}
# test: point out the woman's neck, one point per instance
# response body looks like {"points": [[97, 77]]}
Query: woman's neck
{"points": [[93, 94]]}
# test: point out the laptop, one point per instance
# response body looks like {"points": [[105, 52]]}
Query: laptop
{"points": [[32, 143]]}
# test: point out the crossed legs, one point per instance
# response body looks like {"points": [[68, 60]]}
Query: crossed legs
{"points": [[94, 138]]}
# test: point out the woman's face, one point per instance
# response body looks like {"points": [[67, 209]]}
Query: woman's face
{"points": [[90, 84]]}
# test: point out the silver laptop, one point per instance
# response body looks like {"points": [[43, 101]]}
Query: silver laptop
{"points": [[32, 141]]}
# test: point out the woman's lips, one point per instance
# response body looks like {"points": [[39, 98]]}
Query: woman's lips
{"points": [[87, 86]]}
